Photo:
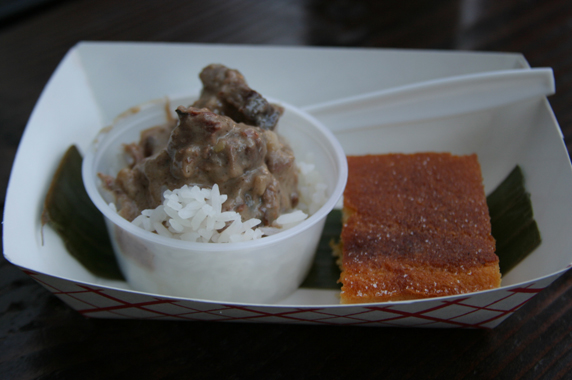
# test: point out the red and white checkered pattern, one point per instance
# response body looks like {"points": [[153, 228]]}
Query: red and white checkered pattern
{"points": [[481, 310]]}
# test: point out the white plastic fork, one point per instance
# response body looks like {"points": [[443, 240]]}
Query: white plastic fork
{"points": [[434, 99]]}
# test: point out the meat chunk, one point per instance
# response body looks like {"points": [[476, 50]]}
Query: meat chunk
{"points": [[225, 92]]}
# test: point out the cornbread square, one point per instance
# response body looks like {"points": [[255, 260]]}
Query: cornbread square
{"points": [[415, 226]]}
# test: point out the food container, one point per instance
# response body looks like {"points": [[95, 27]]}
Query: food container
{"points": [[95, 82], [258, 271]]}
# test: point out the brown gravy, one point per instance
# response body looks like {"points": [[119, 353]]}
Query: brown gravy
{"points": [[227, 138]]}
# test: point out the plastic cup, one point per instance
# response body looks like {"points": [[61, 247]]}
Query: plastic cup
{"points": [[260, 271]]}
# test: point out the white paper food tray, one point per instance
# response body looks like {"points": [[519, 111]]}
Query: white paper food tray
{"points": [[96, 82]]}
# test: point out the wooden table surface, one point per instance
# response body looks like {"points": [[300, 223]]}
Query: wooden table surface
{"points": [[41, 337]]}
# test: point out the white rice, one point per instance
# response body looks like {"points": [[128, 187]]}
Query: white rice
{"points": [[195, 214]]}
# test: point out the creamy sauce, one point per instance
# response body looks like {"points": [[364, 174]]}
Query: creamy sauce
{"points": [[226, 138]]}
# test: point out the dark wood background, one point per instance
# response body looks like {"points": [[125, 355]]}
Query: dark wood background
{"points": [[41, 338]]}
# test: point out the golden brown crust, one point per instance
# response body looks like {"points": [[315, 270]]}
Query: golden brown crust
{"points": [[415, 226]]}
